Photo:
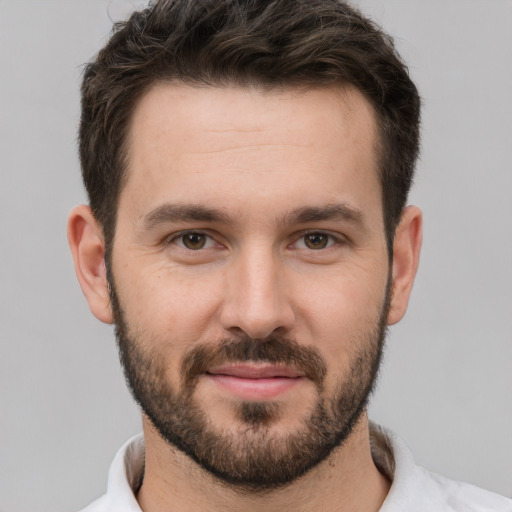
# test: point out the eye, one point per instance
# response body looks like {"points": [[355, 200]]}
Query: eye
{"points": [[316, 241], [194, 241]]}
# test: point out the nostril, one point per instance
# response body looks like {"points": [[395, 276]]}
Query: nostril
{"points": [[255, 302]]}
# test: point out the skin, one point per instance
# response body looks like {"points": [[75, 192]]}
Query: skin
{"points": [[258, 157]]}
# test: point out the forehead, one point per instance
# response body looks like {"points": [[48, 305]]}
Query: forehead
{"points": [[197, 111], [245, 143]]}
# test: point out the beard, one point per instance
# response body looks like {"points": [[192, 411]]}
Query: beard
{"points": [[253, 458]]}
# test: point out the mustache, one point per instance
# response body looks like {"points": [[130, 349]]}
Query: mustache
{"points": [[274, 349]]}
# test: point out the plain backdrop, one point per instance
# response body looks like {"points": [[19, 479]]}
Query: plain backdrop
{"points": [[447, 380]]}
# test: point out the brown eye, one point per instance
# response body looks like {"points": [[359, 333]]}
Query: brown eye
{"points": [[194, 241], [316, 240]]}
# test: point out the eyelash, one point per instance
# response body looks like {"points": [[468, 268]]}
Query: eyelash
{"points": [[175, 239], [331, 240]]}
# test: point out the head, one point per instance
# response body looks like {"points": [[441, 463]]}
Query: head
{"points": [[269, 45], [247, 165]]}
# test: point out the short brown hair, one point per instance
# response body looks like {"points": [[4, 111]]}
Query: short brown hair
{"points": [[274, 43]]}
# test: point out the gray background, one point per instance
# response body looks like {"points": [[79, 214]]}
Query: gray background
{"points": [[446, 383]]}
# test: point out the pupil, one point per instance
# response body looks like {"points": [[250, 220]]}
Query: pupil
{"points": [[316, 241], [194, 241]]}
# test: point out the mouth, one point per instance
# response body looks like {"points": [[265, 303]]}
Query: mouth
{"points": [[255, 382]]}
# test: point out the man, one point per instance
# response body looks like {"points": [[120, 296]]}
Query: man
{"points": [[248, 165]]}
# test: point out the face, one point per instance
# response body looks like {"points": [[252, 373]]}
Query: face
{"points": [[250, 274]]}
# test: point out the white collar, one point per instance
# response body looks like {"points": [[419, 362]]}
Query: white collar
{"points": [[413, 488]]}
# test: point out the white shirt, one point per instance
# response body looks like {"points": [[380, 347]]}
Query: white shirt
{"points": [[413, 488]]}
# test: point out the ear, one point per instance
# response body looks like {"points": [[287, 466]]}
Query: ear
{"points": [[85, 238], [406, 258]]}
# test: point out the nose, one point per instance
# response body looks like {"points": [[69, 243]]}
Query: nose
{"points": [[256, 300]]}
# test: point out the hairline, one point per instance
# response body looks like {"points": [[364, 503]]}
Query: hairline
{"points": [[298, 86]]}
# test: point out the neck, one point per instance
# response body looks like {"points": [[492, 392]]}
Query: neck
{"points": [[347, 480]]}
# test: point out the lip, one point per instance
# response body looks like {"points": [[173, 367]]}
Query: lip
{"points": [[255, 382], [255, 371]]}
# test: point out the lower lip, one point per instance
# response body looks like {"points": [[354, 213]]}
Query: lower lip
{"points": [[255, 389]]}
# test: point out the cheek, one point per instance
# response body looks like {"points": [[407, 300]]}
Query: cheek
{"points": [[347, 299], [175, 311], [343, 315]]}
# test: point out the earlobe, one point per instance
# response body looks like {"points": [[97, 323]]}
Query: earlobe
{"points": [[406, 257], [87, 246]]}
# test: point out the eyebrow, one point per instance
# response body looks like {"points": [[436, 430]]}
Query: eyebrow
{"points": [[342, 211], [192, 212], [182, 213]]}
